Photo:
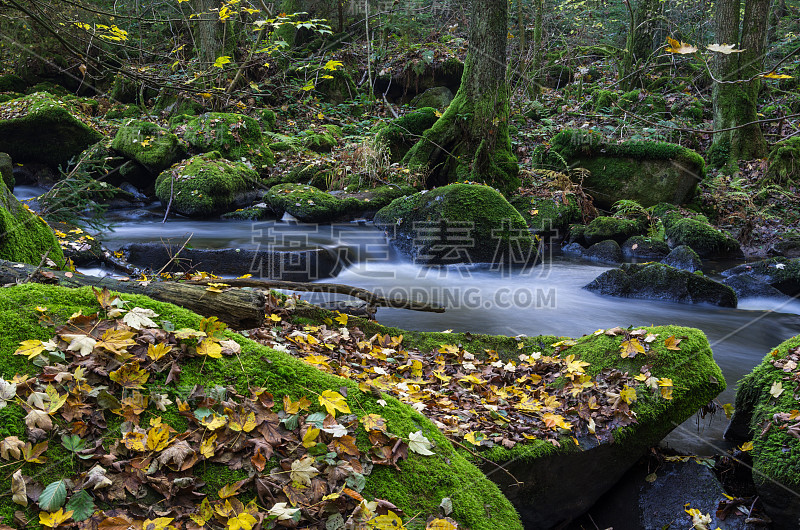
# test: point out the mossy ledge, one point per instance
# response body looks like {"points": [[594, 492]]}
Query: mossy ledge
{"points": [[417, 488]]}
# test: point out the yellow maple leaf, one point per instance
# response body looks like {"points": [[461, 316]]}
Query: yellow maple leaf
{"points": [[158, 438], [275, 318], [160, 523], [210, 348], [54, 519], [441, 524], [674, 46], [157, 351], [214, 421], [208, 446], [247, 425], [671, 343], [341, 318], [130, 375], [773, 75], [629, 348], [627, 394], [56, 400], [373, 422], [555, 420], [310, 437], [333, 401], [293, 407], [31, 348], [390, 521], [747, 446]]}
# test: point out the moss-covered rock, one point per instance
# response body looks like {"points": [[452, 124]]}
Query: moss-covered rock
{"points": [[684, 258], [24, 236], [121, 111], [770, 422], [12, 83], [322, 140], [437, 97], [784, 161], [268, 119], [305, 203], [548, 217], [400, 135], [417, 487], [602, 228], [7, 171], [643, 247], [150, 145], [340, 89], [648, 172], [656, 281], [207, 185], [41, 128], [779, 272], [457, 223], [703, 238], [235, 136]]}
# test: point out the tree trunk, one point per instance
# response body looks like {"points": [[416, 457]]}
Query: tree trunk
{"points": [[735, 103], [207, 30], [537, 47], [639, 44], [470, 141], [523, 45]]}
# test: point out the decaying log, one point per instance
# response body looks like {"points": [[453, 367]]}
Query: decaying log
{"points": [[240, 309], [334, 288]]}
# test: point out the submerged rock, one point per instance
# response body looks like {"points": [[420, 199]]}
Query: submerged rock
{"points": [[647, 172], [657, 281], [207, 185], [458, 223], [42, 128]]}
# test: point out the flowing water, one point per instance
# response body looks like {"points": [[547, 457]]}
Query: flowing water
{"points": [[546, 299]]}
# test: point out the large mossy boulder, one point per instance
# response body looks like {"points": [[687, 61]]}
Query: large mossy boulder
{"points": [[235, 136], [647, 172], [24, 236], [701, 237], [645, 248], [42, 128], [200, 389], [781, 273], [207, 185], [766, 414], [784, 161], [656, 281], [457, 223], [400, 135], [148, 144]]}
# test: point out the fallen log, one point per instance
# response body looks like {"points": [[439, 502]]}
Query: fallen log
{"points": [[333, 288], [240, 309]]}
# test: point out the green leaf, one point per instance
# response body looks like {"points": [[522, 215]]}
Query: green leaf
{"points": [[53, 496], [105, 400], [73, 443], [82, 506]]}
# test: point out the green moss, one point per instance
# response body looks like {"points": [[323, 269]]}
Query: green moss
{"points": [[152, 146], [417, 488], [619, 230], [7, 171], [548, 216], [495, 226], [235, 136], [120, 111], [776, 454], [402, 133], [784, 161], [321, 142], [41, 128], [205, 184], [24, 236], [700, 236], [306, 203], [268, 119], [604, 99], [12, 83]]}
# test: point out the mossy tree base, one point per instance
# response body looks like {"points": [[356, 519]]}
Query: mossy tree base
{"points": [[470, 141]]}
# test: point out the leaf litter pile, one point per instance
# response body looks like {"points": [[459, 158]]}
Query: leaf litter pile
{"points": [[481, 398], [303, 464]]}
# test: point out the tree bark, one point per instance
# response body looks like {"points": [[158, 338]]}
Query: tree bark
{"points": [[206, 30], [735, 103], [470, 140]]}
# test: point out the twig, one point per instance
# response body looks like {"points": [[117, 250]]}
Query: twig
{"points": [[37, 269], [517, 483]]}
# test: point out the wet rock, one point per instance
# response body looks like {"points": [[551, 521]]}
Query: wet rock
{"points": [[703, 238], [748, 287], [458, 223], [684, 258], [788, 248], [573, 249], [607, 251], [641, 247], [619, 230], [548, 217], [656, 281], [781, 273], [301, 265]]}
